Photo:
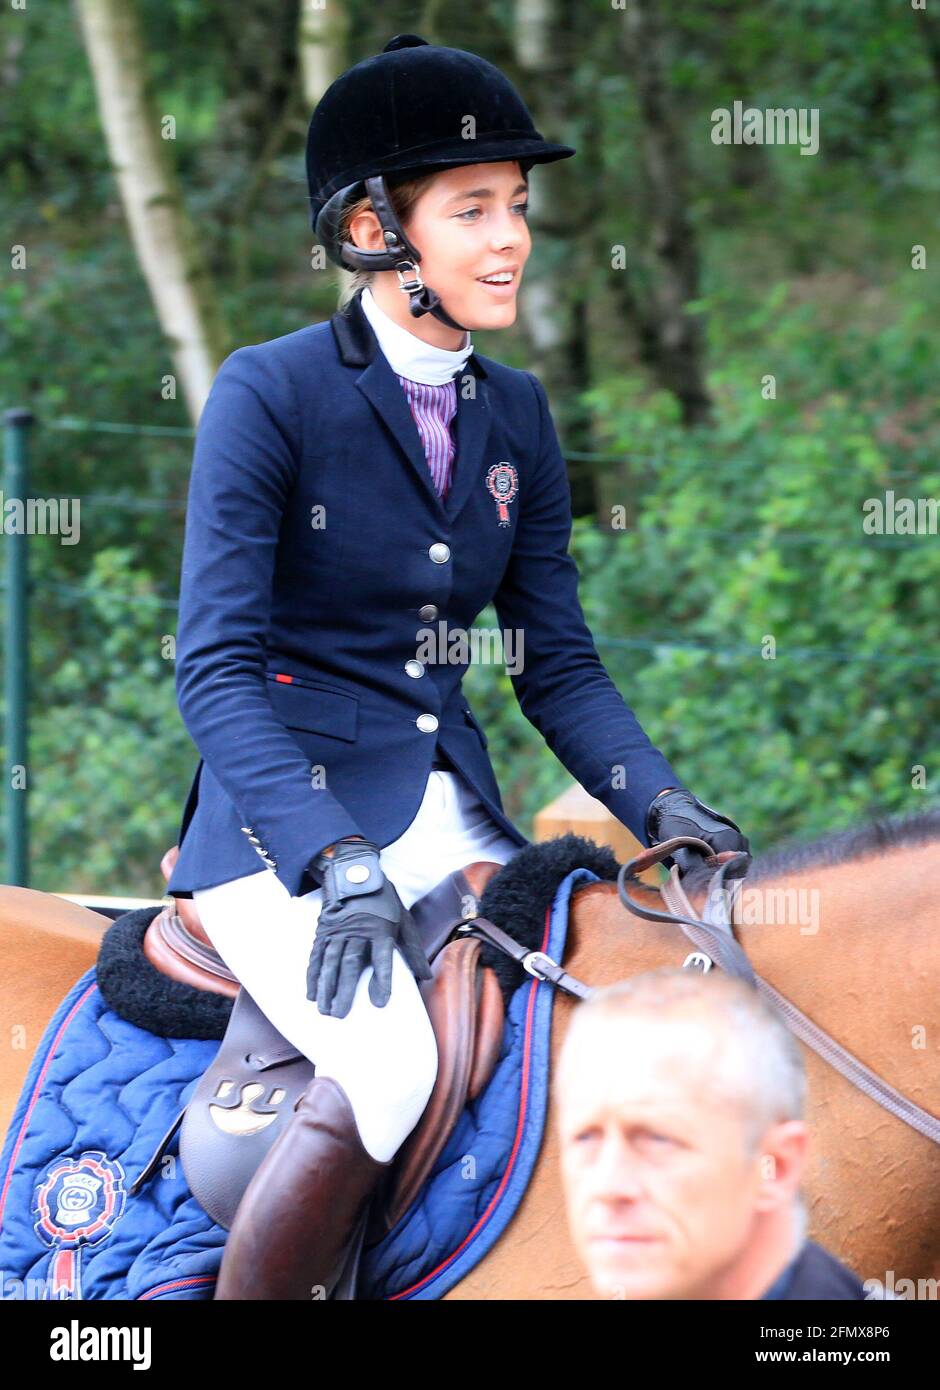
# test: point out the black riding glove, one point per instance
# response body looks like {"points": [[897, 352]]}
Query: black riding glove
{"points": [[362, 920], [678, 812]]}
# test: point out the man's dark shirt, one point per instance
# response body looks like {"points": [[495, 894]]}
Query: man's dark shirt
{"points": [[815, 1274]]}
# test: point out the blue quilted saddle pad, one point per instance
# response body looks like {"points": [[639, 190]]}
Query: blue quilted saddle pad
{"points": [[101, 1093]]}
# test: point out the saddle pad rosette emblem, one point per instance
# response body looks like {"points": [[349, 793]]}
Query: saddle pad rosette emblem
{"points": [[502, 481], [77, 1203]]}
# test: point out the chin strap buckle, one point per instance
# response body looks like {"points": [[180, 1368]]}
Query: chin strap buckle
{"points": [[415, 284]]}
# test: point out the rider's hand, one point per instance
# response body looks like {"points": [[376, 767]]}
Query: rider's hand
{"points": [[675, 811], [362, 921]]}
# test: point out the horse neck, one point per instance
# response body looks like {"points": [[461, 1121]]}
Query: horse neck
{"points": [[852, 936]]}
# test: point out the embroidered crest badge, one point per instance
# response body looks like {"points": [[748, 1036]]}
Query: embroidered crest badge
{"points": [[76, 1204], [502, 481]]}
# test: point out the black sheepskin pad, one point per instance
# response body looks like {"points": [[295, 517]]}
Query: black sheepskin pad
{"points": [[136, 990], [516, 899]]}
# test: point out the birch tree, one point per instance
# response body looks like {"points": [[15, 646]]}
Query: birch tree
{"points": [[167, 244]]}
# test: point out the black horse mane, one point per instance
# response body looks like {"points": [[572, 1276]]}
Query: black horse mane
{"points": [[845, 846], [835, 847]]}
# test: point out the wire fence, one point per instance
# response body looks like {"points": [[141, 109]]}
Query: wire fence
{"points": [[19, 587], [765, 535]]}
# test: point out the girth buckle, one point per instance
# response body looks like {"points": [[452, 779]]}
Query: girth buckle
{"points": [[527, 963]]}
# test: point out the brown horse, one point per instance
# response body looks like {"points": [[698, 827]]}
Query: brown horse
{"points": [[869, 974], [862, 963]]}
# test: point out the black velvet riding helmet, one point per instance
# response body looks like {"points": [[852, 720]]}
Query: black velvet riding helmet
{"points": [[413, 108]]}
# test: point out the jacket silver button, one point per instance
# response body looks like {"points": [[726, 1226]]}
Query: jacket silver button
{"points": [[414, 668], [357, 873], [428, 613], [439, 553], [427, 723]]}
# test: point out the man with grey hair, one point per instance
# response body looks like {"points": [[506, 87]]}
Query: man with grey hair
{"points": [[680, 1112]]}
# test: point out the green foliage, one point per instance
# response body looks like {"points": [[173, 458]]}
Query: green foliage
{"points": [[753, 530], [108, 754], [747, 528]]}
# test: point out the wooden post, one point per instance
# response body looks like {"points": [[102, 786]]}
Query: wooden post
{"points": [[17, 773], [575, 811]]}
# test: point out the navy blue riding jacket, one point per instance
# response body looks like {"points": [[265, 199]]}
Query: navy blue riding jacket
{"points": [[317, 555]]}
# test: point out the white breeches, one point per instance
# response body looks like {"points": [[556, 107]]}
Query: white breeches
{"points": [[384, 1059]]}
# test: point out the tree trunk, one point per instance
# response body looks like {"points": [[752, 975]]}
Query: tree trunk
{"points": [[168, 247], [671, 340], [553, 307], [321, 48]]}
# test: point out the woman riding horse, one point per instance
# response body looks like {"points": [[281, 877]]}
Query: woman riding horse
{"points": [[346, 496]]}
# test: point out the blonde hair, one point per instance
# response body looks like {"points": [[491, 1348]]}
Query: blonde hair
{"points": [[403, 195], [761, 1066]]}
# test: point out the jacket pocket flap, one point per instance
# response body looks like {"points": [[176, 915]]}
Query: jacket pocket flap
{"points": [[317, 709]]}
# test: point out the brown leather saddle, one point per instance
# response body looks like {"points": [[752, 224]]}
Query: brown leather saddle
{"points": [[247, 1094]]}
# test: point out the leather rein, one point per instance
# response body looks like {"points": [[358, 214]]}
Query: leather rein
{"points": [[716, 944]]}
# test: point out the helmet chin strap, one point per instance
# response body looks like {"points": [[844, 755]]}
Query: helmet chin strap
{"points": [[400, 255], [421, 298]]}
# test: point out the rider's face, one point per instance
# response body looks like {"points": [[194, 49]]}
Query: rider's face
{"points": [[665, 1193], [468, 223]]}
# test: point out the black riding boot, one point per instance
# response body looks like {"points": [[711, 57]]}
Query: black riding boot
{"points": [[304, 1206]]}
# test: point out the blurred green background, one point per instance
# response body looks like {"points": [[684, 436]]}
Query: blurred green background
{"points": [[708, 515]]}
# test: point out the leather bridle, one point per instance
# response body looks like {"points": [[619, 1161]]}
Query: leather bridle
{"points": [[717, 945]]}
